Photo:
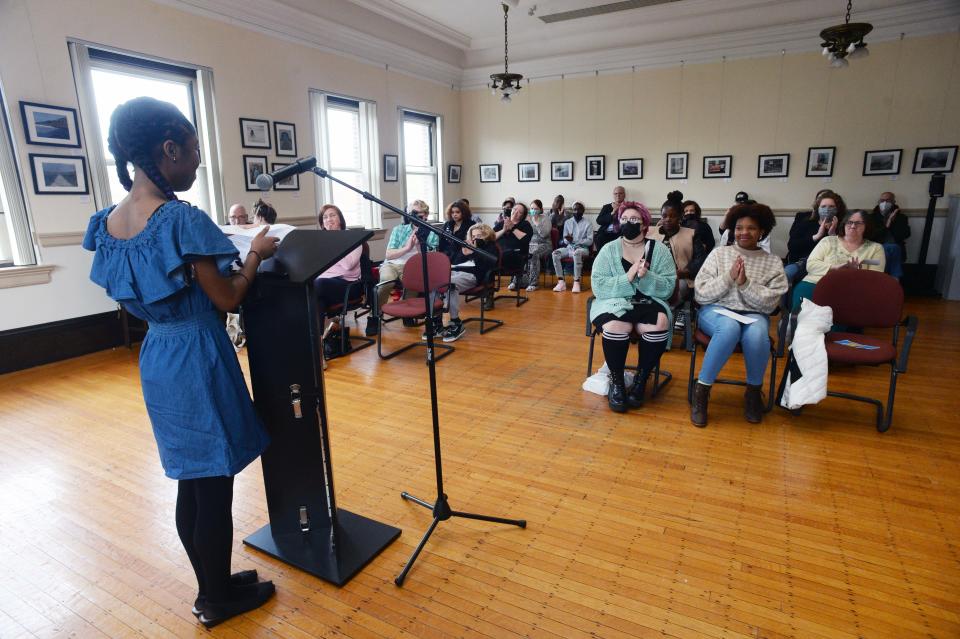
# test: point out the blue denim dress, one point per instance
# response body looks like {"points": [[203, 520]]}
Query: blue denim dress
{"points": [[203, 420]]}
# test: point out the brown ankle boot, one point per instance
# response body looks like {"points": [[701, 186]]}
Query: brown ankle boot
{"points": [[753, 404], [698, 412]]}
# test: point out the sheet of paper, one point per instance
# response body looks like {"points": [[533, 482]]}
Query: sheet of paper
{"points": [[743, 319], [241, 237], [852, 344], [463, 265]]}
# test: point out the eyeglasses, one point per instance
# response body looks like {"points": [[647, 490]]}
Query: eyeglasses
{"points": [[853, 224]]}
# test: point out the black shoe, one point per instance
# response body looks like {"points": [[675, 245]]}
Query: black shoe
{"points": [[437, 329], [616, 394], [638, 390], [753, 404], [701, 399], [488, 303], [454, 331], [247, 598], [242, 578], [373, 326]]}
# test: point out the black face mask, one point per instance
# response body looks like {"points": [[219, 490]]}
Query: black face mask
{"points": [[480, 243], [506, 211], [578, 215], [631, 230]]}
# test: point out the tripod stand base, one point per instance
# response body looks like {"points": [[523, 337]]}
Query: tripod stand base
{"points": [[359, 540], [442, 512]]}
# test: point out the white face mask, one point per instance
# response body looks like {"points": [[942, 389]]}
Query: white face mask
{"points": [[885, 207]]}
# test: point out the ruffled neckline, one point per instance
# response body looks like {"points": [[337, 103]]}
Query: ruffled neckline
{"points": [[146, 235]]}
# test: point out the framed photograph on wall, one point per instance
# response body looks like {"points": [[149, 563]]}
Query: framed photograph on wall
{"points": [[596, 167], [291, 183], [253, 165], [631, 169], [285, 137], [453, 173], [59, 174], [561, 171], [677, 165], [820, 161], [773, 165], [882, 162], [254, 134], [935, 159], [489, 172], [717, 166], [528, 172], [48, 125], [390, 168]]}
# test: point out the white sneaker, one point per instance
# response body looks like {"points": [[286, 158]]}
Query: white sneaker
{"points": [[560, 287], [512, 286], [576, 286], [532, 287]]}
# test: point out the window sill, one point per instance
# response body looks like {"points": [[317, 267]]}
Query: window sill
{"points": [[25, 276]]}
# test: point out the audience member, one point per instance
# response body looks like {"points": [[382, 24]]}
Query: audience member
{"points": [[468, 269], [238, 215], [633, 279], [458, 220], [332, 285], [514, 234], [607, 220], [401, 246], [847, 249], [809, 227], [693, 219], [264, 213], [506, 209], [747, 280], [727, 237], [888, 225], [558, 214], [575, 243], [687, 252], [540, 243]]}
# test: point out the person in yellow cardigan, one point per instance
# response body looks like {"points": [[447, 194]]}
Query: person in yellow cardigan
{"points": [[847, 249]]}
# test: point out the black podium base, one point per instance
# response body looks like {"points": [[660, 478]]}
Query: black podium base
{"points": [[359, 540]]}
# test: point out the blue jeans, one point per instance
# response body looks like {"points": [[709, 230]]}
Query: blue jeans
{"points": [[725, 333], [894, 260]]}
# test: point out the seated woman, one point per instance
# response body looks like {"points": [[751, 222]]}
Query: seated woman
{"points": [[331, 285], [809, 227], [693, 219], [540, 243], [514, 234], [747, 280], [458, 220], [468, 269], [633, 278], [264, 213], [847, 249], [687, 252]]}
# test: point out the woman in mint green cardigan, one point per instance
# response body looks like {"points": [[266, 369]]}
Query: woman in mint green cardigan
{"points": [[633, 279]]}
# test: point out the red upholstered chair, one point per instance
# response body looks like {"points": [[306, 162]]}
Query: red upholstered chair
{"points": [[867, 299], [416, 308]]}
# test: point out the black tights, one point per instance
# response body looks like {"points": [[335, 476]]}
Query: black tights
{"points": [[205, 526]]}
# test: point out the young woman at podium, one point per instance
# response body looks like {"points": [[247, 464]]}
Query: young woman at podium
{"points": [[168, 263]]}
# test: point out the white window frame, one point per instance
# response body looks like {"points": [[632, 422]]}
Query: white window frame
{"points": [[13, 205], [204, 115], [369, 152], [436, 141]]}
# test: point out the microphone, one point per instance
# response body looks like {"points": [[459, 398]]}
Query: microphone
{"points": [[265, 181]]}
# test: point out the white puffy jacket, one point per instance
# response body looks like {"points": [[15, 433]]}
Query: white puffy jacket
{"points": [[807, 378]]}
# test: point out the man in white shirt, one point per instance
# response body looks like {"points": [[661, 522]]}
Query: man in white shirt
{"points": [[575, 242]]}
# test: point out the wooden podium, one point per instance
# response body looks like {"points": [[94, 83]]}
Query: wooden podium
{"points": [[306, 528]]}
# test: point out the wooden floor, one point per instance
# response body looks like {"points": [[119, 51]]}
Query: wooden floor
{"points": [[639, 525]]}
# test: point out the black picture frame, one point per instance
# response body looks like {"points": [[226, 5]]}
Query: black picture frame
{"points": [[454, 171], [630, 169], [596, 167], [285, 148], [875, 162], [535, 177], [250, 137], [250, 176], [709, 162], [44, 179], [559, 166], [766, 165], [815, 161], [923, 151], [674, 174], [492, 172], [59, 123], [292, 183], [391, 168]]}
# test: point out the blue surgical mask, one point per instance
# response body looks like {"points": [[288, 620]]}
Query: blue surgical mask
{"points": [[535, 211]]}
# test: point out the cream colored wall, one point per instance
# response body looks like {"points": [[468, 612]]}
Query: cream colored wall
{"points": [[905, 95], [255, 75]]}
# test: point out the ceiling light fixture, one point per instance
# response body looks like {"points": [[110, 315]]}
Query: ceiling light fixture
{"points": [[508, 83], [845, 41]]}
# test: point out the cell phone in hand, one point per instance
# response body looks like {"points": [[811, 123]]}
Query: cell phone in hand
{"points": [[870, 262]]}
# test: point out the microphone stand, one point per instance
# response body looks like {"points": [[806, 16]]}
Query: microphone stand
{"points": [[441, 507]]}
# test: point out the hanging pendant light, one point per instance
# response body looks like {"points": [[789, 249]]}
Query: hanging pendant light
{"points": [[508, 83], [844, 42]]}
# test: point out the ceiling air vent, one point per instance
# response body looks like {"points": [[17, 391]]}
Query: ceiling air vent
{"points": [[612, 7]]}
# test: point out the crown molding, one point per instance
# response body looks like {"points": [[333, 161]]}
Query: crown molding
{"points": [[399, 13], [278, 20], [918, 19]]}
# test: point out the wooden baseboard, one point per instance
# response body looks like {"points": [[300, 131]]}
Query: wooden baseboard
{"points": [[45, 343]]}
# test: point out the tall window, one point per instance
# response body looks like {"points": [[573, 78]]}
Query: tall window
{"points": [[420, 133], [16, 243], [346, 137], [107, 79]]}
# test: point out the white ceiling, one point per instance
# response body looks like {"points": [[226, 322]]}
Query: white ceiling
{"points": [[460, 42]]}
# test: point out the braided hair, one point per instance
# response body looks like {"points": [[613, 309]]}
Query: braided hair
{"points": [[138, 128]]}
